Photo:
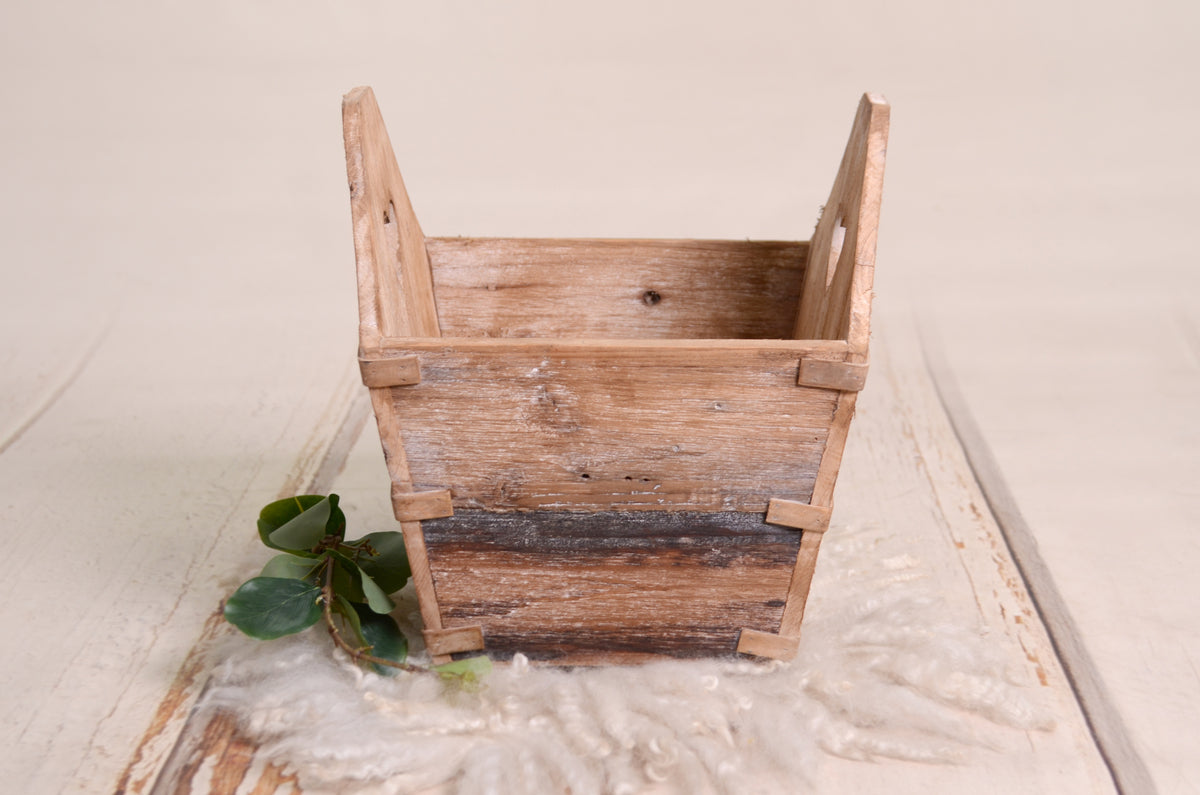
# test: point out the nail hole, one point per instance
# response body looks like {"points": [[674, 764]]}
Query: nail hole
{"points": [[586, 476], [391, 230], [650, 298]]}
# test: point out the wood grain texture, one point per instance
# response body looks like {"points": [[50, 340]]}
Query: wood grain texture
{"points": [[688, 289], [453, 640], [560, 586], [591, 427], [766, 644], [221, 760], [422, 576], [603, 428], [831, 459], [395, 286], [416, 506], [836, 299], [798, 515], [394, 458], [845, 376], [800, 584], [395, 371]]}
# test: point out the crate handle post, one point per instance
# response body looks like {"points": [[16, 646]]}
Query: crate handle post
{"points": [[395, 281], [835, 303]]}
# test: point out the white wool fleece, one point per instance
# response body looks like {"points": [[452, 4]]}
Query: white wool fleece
{"points": [[885, 669]]}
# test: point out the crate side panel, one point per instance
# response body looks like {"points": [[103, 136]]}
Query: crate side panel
{"points": [[561, 586], [610, 429], [687, 289], [836, 299]]}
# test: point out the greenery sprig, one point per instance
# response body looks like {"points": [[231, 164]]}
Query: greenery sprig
{"points": [[320, 575]]}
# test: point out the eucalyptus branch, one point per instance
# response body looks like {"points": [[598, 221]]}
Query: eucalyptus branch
{"points": [[356, 654], [300, 586]]}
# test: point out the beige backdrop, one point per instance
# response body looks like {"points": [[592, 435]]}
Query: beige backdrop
{"points": [[178, 290]]}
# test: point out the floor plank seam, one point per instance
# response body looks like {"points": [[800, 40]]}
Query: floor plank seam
{"points": [[41, 406], [172, 774], [1130, 774]]}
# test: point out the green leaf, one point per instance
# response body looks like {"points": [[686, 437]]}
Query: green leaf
{"points": [[389, 566], [337, 520], [291, 567], [271, 607], [347, 583], [384, 637], [377, 600], [468, 672], [378, 635], [347, 577], [279, 513], [347, 611], [362, 587], [306, 530]]}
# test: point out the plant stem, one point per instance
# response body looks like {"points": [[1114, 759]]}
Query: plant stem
{"points": [[356, 654]]}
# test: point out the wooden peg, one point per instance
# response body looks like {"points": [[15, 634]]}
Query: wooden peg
{"points": [[453, 640], [765, 644], [417, 506], [802, 516], [399, 371], [844, 376]]}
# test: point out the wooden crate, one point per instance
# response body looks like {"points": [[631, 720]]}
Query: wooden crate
{"points": [[608, 451]]}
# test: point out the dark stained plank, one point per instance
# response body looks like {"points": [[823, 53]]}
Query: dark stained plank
{"points": [[558, 586]]}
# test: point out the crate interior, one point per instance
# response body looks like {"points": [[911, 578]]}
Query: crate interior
{"points": [[616, 289]]}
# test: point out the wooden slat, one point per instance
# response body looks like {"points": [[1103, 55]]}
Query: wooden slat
{"points": [[801, 584], [395, 286], [836, 299], [766, 644], [395, 290], [398, 371], [697, 289], [576, 348], [601, 428], [821, 374], [560, 586], [398, 474], [454, 640], [416, 506], [831, 459], [802, 516], [422, 578]]}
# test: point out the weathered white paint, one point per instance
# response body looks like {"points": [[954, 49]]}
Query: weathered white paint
{"points": [[905, 472]]}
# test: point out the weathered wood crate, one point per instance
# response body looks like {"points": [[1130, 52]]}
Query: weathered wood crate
{"points": [[612, 450]]}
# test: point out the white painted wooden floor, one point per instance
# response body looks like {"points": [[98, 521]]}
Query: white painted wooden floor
{"points": [[904, 472], [177, 313]]}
